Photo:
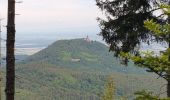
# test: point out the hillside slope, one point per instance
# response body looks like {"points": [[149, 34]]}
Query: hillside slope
{"points": [[80, 54], [77, 70]]}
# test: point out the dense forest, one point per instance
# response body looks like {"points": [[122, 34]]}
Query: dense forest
{"points": [[53, 74]]}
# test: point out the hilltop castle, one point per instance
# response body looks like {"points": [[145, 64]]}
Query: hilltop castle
{"points": [[87, 39]]}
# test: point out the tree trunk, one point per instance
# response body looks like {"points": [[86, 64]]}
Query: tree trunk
{"points": [[168, 89], [168, 82], [10, 56]]}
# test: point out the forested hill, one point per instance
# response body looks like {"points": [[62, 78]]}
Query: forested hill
{"points": [[81, 54], [78, 70]]}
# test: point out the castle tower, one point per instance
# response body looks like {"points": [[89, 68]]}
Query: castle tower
{"points": [[87, 39]]}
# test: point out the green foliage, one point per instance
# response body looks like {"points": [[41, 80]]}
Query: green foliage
{"points": [[143, 95], [90, 55], [109, 90], [44, 76], [166, 9], [123, 27], [158, 64], [42, 80], [159, 30]]}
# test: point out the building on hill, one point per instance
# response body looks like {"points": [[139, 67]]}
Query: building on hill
{"points": [[87, 39]]}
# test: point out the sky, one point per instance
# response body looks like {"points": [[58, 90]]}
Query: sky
{"points": [[54, 18]]}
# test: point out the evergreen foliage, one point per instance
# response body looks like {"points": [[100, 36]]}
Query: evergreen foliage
{"points": [[157, 63], [129, 23], [123, 27]]}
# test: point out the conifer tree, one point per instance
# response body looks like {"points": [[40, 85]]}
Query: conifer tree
{"points": [[124, 29], [157, 63]]}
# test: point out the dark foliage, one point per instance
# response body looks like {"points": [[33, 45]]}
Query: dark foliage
{"points": [[123, 27]]}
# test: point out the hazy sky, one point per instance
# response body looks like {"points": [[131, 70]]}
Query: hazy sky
{"points": [[51, 17]]}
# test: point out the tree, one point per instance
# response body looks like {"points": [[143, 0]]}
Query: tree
{"points": [[158, 64], [124, 30], [10, 58], [123, 27], [109, 91]]}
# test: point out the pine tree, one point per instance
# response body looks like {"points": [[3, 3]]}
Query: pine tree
{"points": [[123, 27], [157, 63]]}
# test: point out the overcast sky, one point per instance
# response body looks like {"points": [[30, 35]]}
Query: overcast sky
{"points": [[50, 17]]}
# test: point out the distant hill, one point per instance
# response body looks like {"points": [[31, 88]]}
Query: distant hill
{"points": [[81, 54], [77, 70]]}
